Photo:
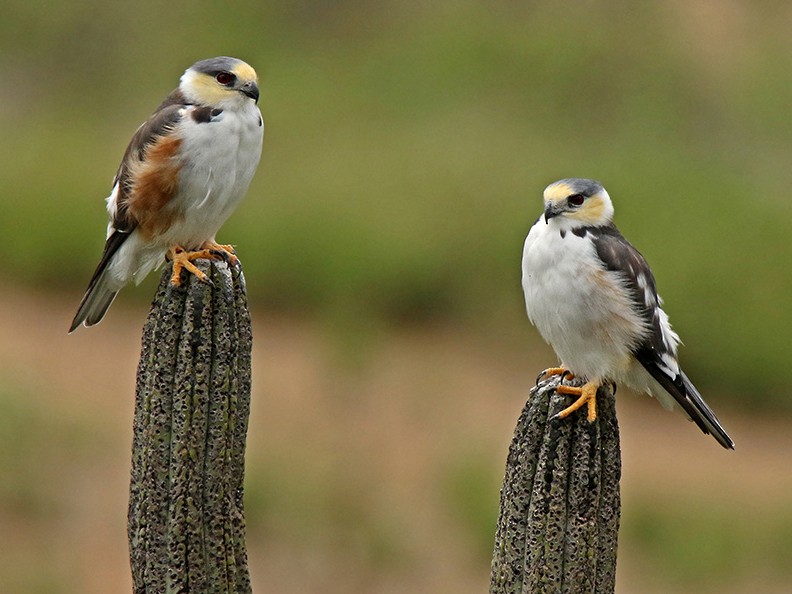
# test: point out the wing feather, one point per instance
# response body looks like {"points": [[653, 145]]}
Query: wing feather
{"points": [[98, 296], [657, 350], [158, 125]]}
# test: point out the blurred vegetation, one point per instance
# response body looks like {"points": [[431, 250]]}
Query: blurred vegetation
{"points": [[472, 488], [408, 144], [691, 542], [318, 509], [42, 461]]}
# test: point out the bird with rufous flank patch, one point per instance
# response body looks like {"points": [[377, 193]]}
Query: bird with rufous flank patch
{"points": [[184, 172]]}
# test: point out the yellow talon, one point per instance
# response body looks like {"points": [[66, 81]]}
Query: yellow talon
{"points": [[587, 394], [209, 250], [222, 251], [184, 260], [551, 371]]}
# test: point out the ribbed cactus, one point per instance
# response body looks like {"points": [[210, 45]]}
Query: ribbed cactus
{"points": [[560, 506], [186, 517]]}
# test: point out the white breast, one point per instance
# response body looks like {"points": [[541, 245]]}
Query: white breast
{"points": [[219, 160], [579, 308]]}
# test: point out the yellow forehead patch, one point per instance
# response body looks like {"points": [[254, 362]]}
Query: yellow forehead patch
{"points": [[557, 192], [245, 72]]}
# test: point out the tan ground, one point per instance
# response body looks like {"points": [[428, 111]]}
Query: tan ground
{"points": [[380, 429]]}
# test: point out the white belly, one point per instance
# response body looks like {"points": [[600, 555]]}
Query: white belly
{"points": [[577, 305], [220, 159]]}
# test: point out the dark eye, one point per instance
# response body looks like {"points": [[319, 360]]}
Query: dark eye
{"points": [[575, 199], [225, 78]]}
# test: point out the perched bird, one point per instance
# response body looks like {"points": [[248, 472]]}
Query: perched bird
{"points": [[183, 173], [592, 297]]}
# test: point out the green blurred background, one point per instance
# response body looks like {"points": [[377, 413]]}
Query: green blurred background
{"points": [[406, 148]]}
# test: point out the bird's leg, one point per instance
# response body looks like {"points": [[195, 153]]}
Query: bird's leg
{"points": [[184, 260], [587, 394], [219, 250], [551, 371]]}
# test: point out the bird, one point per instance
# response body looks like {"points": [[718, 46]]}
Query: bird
{"points": [[184, 171], [592, 297]]}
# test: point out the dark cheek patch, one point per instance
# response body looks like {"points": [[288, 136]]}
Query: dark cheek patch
{"points": [[204, 115]]}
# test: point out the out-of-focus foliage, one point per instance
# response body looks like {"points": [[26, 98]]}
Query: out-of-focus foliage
{"points": [[42, 459], [407, 146], [695, 540]]}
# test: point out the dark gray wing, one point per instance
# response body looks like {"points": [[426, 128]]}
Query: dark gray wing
{"points": [[95, 301], [657, 352], [160, 123], [618, 255]]}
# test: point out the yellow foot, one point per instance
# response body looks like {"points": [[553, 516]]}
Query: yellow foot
{"points": [[551, 371], [184, 260], [587, 394], [224, 252]]}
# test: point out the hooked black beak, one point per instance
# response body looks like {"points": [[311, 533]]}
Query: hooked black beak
{"points": [[551, 210], [251, 90]]}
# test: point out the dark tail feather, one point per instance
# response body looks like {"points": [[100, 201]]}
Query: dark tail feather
{"points": [[99, 296], [688, 397], [94, 305], [704, 417]]}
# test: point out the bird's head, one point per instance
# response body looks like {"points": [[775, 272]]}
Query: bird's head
{"points": [[223, 82], [576, 202]]}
